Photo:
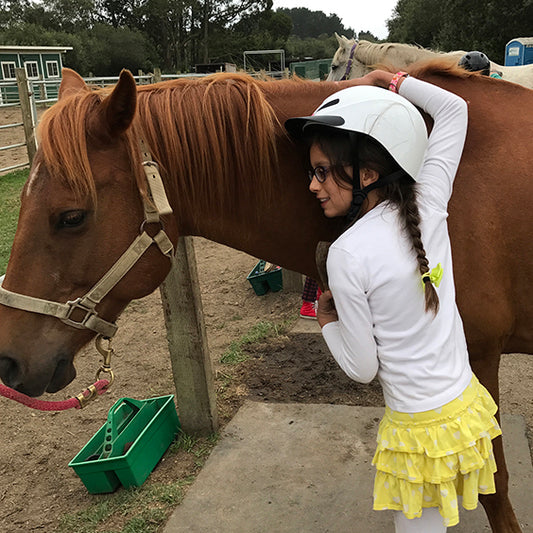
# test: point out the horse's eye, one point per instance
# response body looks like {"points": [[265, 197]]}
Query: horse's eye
{"points": [[71, 219], [334, 67]]}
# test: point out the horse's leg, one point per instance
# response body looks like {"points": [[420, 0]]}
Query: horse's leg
{"points": [[497, 506]]}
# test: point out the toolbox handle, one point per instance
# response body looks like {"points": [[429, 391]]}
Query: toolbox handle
{"points": [[113, 426]]}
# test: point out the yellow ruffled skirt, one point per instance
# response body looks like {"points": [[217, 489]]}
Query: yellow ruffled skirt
{"points": [[428, 459]]}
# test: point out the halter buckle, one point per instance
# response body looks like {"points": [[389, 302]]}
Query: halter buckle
{"points": [[74, 305]]}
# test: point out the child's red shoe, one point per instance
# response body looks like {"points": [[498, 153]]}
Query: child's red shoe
{"points": [[308, 310]]}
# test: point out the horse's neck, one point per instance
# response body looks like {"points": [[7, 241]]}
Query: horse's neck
{"points": [[368, 53]]}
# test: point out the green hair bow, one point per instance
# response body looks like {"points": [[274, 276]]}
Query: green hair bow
{"points": [[433, 276]]}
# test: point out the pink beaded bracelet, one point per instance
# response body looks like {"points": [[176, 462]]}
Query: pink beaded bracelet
{"points": [[393, 85]]}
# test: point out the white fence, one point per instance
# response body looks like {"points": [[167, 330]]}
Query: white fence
{"points": [[30, 95]]}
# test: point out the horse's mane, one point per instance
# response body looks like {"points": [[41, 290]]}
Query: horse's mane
{"points": [[439, 66], [375, 53], [205, 131], [212, 130], [63, 140], [371, 53]]}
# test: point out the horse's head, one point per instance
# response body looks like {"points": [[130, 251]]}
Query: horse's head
{"points": [[81, 208], [345, 65]]}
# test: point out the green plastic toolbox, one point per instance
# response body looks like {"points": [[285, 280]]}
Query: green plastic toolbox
{"points": [[262, 281], [128, 446]]}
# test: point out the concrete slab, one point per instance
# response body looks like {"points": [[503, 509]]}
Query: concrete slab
{"points": [[300, 468], [305, 325]]}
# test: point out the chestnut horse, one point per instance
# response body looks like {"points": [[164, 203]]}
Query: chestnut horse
{"points": [[232, 175]]}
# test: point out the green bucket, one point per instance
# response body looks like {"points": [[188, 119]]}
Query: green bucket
{"points": [[126, 449]]}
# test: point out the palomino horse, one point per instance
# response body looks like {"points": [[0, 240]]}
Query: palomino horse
{"points": [[354, 59], [233, 176]]}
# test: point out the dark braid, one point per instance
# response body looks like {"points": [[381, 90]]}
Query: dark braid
{"points": [[401, 193], [405, 199]]}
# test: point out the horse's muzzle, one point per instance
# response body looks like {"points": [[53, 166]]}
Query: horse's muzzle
{"points": [[9, 371], [53, 379]]}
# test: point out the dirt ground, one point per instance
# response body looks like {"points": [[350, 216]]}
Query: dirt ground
{"points": [[37, 486]]}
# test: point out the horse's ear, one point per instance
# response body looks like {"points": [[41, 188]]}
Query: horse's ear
{"points": [[339, 39], [120, 106], [71, 82]]}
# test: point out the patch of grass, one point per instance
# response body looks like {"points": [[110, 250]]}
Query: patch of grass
{"points": [[142, 509], [147, 522], [148, 506], [200, 448], [10, 187], [262, 330]]}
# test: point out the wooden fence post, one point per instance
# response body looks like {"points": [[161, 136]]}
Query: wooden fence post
{"points": [[27, 117], [187, 341], [42, 88], [157, 75]]}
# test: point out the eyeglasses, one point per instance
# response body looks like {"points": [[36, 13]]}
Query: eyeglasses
{"points": [[320, 173]]}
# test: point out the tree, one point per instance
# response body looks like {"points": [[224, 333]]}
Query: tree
{"points": [[485, 25], [416, 22], [172, 34], [312, 24], [260, 31], [225, 14], [368, 36], [112, 49], [121, 13], [319, 48], [71, 15], [12, 11]]}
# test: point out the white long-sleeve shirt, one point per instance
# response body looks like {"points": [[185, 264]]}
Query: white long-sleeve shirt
{"points": [[421, 360]]}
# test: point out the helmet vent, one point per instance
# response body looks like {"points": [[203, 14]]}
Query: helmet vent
{"points": [[333, 102]]}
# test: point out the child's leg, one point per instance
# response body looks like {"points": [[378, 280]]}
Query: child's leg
{"points": [[310, 289], [308, 299], [430, 522]]}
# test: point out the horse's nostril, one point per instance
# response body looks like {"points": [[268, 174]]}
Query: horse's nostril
{"points": [[9, 371]]}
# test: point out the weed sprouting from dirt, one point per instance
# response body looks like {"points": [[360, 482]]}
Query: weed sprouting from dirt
{"points": [[259, 332]]}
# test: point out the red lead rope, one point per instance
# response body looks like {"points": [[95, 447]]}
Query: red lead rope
{"points": [[76, 402]]}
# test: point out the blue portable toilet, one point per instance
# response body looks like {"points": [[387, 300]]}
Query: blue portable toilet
{"points": [[519, 51]]}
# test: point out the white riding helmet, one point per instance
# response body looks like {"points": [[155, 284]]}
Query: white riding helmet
{"points": [[385, 116]]}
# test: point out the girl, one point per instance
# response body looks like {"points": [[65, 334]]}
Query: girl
{"points": [[391, 310]]}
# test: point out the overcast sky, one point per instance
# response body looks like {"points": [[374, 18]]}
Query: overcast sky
{"points": [[357, 14]]}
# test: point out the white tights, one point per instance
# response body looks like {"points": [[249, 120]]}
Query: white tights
{"points": [[430, 522]]}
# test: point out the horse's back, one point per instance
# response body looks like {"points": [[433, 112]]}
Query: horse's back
{"points": [[490, 212]]}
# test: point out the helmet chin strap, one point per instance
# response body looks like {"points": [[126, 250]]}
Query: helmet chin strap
{"points": [[359, 194]]}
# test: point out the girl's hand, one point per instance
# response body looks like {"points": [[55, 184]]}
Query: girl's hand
{"points": [[326, 311], [380, 78]]}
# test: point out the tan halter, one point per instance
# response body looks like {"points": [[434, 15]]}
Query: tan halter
{"points": [[88, 302]]}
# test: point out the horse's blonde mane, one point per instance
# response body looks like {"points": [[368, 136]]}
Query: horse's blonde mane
{"points": [[373, 53], [400, 54], [206, 132]]}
